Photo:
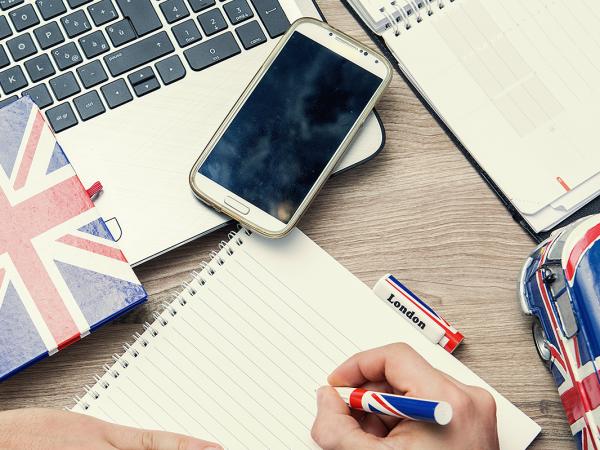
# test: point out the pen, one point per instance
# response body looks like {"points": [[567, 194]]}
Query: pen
{"points": [[419, 314], [396, 405]]}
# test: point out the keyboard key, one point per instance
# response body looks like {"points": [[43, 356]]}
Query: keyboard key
{"points": [[66, 56], [89, 105], [251, 35], [24, 17], [39, 68], [103, 12], [116, 93], [146, 87], [49, 9], [120, 32], [212, 51], [186, 33], [21, 47], [49, 35], [7, 4], [174, 10], [238, 11], [4, 61], [212, 21], [61, 117], [64, 86], [94, 44], [5, 30], [170, 69], [40, 95], [272, 15], [12, 80], [199, 5], [142, 15], [76, 23], [141, 75], [139, 53], [77, 3], [92, 74], [7, 101]]}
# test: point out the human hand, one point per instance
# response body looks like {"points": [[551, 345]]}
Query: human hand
{"points": [[398, 369], [37, 429]]}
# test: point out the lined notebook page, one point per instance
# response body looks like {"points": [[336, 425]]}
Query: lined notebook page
{"points": [[516, 82], [240, 362]]}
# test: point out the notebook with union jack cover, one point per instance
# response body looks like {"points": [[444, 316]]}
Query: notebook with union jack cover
{"points": [[62, 274]]}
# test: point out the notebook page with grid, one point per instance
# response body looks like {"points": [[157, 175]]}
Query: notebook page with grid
{"points": [[515, 82]]}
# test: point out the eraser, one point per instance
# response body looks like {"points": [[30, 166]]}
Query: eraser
{"points": [[418, 313]]}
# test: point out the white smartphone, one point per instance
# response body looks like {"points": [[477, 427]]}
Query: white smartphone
{"points": [[284, 136]]}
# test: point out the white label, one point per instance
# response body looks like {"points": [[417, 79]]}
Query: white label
{"points": [[407, 308]]}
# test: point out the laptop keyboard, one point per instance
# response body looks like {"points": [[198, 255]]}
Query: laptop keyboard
{"points": [[78, 59]]}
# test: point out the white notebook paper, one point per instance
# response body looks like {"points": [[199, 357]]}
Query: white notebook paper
{"points": [[516, 83], [238, 355]]}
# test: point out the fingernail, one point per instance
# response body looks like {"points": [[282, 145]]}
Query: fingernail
{"points": [[320, 393]]}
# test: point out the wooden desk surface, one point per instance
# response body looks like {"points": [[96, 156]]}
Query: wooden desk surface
{"points": [[419, 211]]}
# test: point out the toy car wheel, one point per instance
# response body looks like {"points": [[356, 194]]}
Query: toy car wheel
{"points": [[541, 341]]}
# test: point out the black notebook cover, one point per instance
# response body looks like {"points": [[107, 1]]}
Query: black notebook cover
{"points": [[592, 207]]}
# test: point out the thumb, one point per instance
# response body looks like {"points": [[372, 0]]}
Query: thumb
{"points": [[334, 428], [126, 438]]}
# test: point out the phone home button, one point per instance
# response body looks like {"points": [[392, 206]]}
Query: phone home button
{"points": [[238, 206]]}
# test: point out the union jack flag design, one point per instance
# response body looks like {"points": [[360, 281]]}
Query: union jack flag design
{"points": [[396, 405], [560, 286], [422, 316], [61, 273]]}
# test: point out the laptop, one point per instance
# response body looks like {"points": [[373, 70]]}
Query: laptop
{"points": [[135, 89]]}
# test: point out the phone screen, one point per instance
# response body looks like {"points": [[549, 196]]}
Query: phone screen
{"points": [[290, 126]]}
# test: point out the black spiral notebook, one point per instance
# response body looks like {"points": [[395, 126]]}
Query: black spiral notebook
{"points": [[512, 83]]}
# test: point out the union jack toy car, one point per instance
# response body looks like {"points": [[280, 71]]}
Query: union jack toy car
{"points": [[559, 287]]}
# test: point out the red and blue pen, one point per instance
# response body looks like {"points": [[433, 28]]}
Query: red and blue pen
{"points": [[396, 405]]}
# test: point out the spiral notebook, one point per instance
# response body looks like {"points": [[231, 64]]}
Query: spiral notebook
{"points": [[237, 356], [515, 85]]}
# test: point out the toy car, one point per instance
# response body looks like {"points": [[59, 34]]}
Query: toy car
{"points": [[559, 286]]}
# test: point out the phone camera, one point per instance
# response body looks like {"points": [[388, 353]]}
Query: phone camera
{"points": [[330, 34]]}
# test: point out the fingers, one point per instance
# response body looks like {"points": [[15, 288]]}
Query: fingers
{"points": [[486, 405], [373, 424], [381, 386], [474, 424], [398, 364], [397, 368], [334, 427], [126, 438]]}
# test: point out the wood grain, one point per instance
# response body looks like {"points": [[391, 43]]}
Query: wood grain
{"points": [[418, 210]]}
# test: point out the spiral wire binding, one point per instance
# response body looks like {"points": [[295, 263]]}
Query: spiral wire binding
{"points": [[402, 15], [92, 392], [169, 308], [129, 349], [400, 12], [393, 22], [151, 330], [415, 7]]}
